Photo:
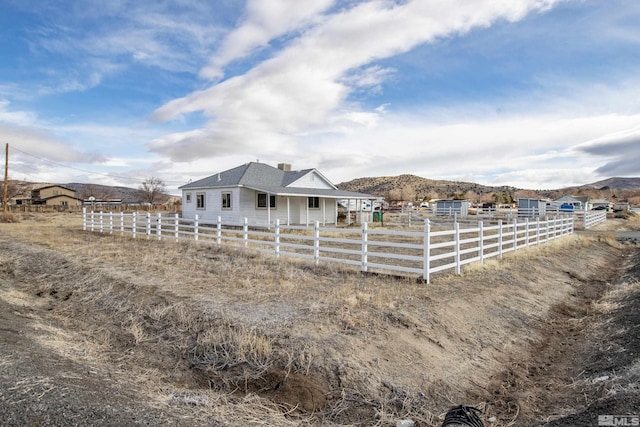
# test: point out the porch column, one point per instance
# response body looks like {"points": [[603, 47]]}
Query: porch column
{"points": [[268, 208], [348, 211], [288, 211], [307, 213], [324, 219]]}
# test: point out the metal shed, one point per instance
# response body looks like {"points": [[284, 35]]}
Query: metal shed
{"points": [[532, 207], [452, 207]]}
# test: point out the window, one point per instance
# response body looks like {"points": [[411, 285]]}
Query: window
{"points": [[314, 202], [200, 201], [226, 200], [261, 201], [188, 197]]}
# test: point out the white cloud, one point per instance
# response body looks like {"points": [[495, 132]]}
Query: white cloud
{"points": [[264, 21], [306, 84], [19, 118]]}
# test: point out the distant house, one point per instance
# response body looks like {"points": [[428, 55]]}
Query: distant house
{"points": [[452, 207], [579, 203], [263, 193], [621, 207], [49, 195]]}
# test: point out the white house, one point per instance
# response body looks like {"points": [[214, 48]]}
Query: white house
{"points": [[579, 203], [262, 194]]}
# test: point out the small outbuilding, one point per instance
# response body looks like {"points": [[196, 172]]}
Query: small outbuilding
{"points": [[532, 207], [579, 203], [452, 207]]}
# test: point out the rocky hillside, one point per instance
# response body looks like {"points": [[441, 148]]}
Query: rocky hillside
{"points": [[412, 185], [106, 192], [616, 182], [415, 188]]}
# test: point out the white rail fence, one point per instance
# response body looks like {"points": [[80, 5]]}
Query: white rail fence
{"points": [[432, 249], [409, 218]]}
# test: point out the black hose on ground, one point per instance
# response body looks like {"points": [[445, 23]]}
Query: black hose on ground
{"points": [[466, 416]]}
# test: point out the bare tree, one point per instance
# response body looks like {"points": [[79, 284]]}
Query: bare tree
{"points": [[100, 192], [154, 190], [15, 188]]}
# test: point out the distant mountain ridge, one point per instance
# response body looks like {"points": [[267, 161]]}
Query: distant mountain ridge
{"points": [[407, 187], [382, 185], [106, 192], [412, 187], [616, 182]]}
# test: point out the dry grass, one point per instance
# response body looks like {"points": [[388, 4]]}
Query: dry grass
{"points": [[240, 337]]}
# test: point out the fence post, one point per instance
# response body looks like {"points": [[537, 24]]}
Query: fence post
{"points": [[555, 226], [276, 238], [546, 228], [526, 232], [409, 219], [121, 222], [176, 227], [481, 241], [134, 224], [110, 222], [159, 225], [219, 231], [499, 238], [101, 221], [456, 228], [84, 219], [316, 242], [426, 255], [364, 246], [537, 231], [515, 234], [245, 232], [148, 227]]}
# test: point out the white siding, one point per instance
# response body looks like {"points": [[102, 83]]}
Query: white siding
{"points": [[311, 180], [243, 202]]}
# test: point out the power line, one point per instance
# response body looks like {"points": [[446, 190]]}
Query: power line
{"points": [[87, 171]]}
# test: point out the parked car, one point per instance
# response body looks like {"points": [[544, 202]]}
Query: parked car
{"points": [[566, 207]]}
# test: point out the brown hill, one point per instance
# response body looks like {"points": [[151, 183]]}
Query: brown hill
{"points": [[616, 182], [414, 188]]}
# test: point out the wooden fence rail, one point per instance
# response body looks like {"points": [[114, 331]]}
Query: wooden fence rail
{"points": [[432, 249]]}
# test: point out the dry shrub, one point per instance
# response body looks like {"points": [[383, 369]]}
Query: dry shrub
{"points": [[225, 347], [9, 217], [239, 321]]}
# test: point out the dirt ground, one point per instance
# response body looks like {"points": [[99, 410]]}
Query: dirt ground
{"points": [[100, 329]]}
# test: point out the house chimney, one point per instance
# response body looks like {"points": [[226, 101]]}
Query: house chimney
{"points": [[284, 167]]}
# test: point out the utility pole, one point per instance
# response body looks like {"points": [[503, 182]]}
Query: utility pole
{"points": [[6, 180]]}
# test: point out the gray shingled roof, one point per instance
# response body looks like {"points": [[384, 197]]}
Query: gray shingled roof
{"points": [[262, 177]]}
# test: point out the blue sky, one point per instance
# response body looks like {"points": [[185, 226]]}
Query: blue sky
{"points": [[537, 94]]}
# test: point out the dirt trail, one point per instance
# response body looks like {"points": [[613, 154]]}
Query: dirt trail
{"points": [[93, 334]]}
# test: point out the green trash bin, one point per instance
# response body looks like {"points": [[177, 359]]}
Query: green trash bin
{"points": [[377, 216]]}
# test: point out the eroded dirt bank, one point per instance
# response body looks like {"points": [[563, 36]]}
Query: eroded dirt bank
{"points": [[101, 330]]}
